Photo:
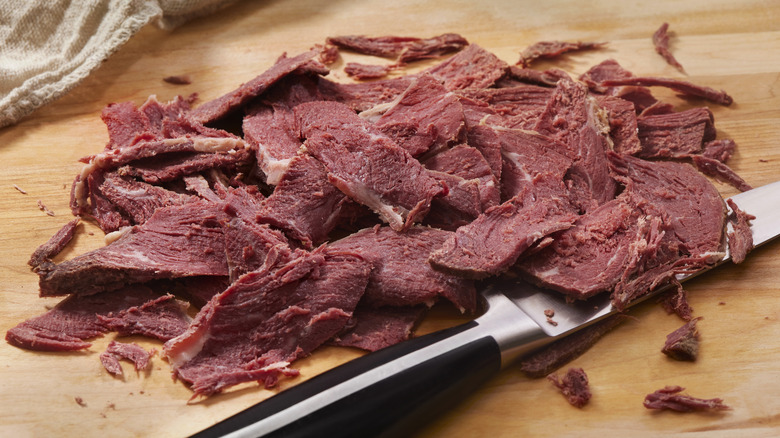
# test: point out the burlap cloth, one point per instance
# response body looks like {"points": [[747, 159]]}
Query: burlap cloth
{"points": [[48, 46]]}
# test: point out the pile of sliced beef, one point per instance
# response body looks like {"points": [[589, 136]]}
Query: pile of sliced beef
{"points": [[296, 211]]}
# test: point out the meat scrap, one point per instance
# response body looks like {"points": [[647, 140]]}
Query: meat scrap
{"points": [[680, 86], [573, 385], [55, 244], [661, 43], [119, 350], [683, 343], [671, 398], [552, 49], [403, 49], [741, 237]]}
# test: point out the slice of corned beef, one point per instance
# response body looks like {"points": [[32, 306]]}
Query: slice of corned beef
{"points": [[403, 49], [114, 158], [609, 69], [247, 242], [373, 329], [680, 86], [661, 43], [54, 245], [366, 165], [119, 201], [461, 205], [572, 118], [119, 350], [589, 257], [676, 301], [220, 107], [675, 134], [170, 167], [721, 171], [468, 163], [75, 319], [472, 67], [481, 136], [574, 386], [163, 318], [692, 221], [270, 131], [553, 49], [740, 236], [399, 260], [526, 157], [517, 75], [426, 118], [128, 124], [367, 71], [361, 96], [671, 398], [493, 242], [304, 203], [519, 106], [177, 241], [683, 343], [720, 150], [267, 319], [623, 128], [693, 203]]}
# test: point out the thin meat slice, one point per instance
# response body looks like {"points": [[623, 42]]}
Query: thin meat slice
{"points": [[680, 86], [720, 150], [55, 244], [218, 108], [400, 259], [304, 203], [366, 165], [361, 96], [175, 242], [426, 118], [683, 343], [574, 386], [493, 242], [623, 124], [671, 398], [470, 164], [609, 69], [119, 350], [472, 67], [174, 166], [74, 320], [267, 319], [675, 134], [553, 49], [661, 43], [367, 71], [518, 107], [572, 118], [374, 329], [740, 236], [719, 170], [128, 124], [403, 49], [163, 318]]}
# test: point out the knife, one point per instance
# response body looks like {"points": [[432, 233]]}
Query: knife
{"points": [[392, 391]]}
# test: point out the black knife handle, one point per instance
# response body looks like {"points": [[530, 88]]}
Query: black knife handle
{"points": [[390, 392]]}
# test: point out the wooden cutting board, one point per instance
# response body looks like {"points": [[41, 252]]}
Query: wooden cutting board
{"points": [[727, 45]]}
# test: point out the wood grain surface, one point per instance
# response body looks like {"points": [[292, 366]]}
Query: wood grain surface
{"points": [[734, 46]]}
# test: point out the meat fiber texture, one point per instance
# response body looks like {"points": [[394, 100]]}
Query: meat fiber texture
{"points": [[295, 211]]}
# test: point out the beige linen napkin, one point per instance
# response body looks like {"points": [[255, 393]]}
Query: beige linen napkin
{"points": [[48, 46]]}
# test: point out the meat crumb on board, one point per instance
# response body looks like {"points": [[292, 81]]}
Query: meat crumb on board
{"points": [[20, 190]]}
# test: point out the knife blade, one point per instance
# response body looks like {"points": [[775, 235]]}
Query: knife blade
{"points": [[392, 391]]}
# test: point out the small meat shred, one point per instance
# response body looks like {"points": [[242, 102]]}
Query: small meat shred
{"points": [[661, 42], [741, 238], [553, 49], [680, 86], [178, 79], [671, 398], [574, 386], [55, 244], [366, 71], [132, 352], [683, 343]]}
